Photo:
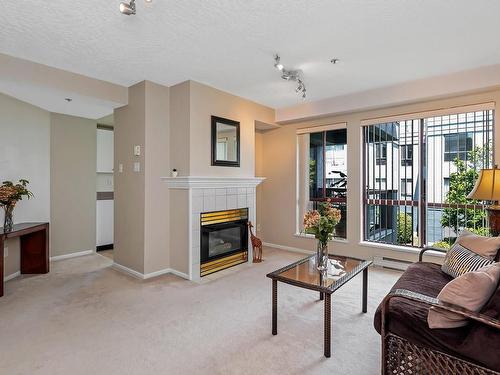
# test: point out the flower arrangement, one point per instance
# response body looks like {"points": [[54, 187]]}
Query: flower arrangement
{"points": [[10, 194], [321, 223]]}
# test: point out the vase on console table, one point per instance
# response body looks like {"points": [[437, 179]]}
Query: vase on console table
{"points": [[10, 194], [8, 222]]}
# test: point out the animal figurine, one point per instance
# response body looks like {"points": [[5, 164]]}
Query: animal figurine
{"points": [[256, 245]]}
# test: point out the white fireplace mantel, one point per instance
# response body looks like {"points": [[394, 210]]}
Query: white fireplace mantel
{"points": [[193, 182], [209, 194]]}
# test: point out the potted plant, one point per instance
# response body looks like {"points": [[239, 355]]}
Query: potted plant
{"points": [[321, 223], [10, 194]]}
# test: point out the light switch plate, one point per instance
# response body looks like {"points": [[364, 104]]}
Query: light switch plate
{"points": [[137, 150], [120, 168], [137, 166]]}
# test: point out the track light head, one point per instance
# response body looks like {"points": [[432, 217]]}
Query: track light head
{"points": [[277, 63], [128, 9]]}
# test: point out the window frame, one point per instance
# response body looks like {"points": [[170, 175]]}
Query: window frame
{"points": [[309, 130], [421, 152]]}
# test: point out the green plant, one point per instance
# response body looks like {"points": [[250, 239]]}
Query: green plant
{"points": [[312, 172], [405, 228], [442, 245], [461, 184]]}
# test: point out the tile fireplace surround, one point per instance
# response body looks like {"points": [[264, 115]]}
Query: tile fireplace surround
{"points": [[206, 194]]}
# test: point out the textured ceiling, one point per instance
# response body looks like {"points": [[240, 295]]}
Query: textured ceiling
{"points": [[230, 44]]}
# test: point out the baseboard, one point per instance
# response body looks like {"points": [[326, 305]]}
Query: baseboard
{"points": [[128, 271], [147, 276], [72, 255], [394, 264], [12, 276], [288, 248], [180, 274]]}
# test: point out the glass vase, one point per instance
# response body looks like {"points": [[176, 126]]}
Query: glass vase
{"points": [[7, 222], [322, 256]]}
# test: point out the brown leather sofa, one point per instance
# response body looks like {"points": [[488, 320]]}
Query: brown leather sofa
{"points": [[409, 346]]}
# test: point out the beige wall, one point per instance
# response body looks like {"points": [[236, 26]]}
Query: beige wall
{"points": [[179, 128], [259, 172], [206, 101], [72, 188], [129, 193], [25, 153], [156, 150], [278, 217], [141, 198], [179, 240]]}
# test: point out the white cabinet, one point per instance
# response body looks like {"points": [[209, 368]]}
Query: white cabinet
{"points": [[105, 151], [104, 222]]}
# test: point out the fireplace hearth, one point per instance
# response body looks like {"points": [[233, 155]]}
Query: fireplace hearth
{"points": [[224, 239]]}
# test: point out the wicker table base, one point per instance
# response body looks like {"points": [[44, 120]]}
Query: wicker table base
{"points": [[325, 292]]}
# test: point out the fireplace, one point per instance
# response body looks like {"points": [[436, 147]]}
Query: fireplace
{"points": [[224, 240]]}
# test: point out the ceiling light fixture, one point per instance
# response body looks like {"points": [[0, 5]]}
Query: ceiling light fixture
{"points": [[277, 63], [334, 61], [291, 75], [128, 9]]}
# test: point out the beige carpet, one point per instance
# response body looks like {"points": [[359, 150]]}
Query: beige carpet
{"points": [[86, 318]]}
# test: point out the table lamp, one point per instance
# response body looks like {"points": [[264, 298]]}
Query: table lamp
{"points": [[487, 188]]}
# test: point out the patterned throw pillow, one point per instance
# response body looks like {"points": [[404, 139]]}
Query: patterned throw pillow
{"points": [[460, 260]]}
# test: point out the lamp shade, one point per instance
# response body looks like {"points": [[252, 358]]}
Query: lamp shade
{"points": [[487, 186]]}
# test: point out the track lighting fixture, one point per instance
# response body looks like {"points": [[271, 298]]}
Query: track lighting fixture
{"points": [[128, 9], [277, 63], [291, 75]]}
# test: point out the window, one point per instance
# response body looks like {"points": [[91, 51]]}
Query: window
{"points": [[457, 146], [323, 172], [381, 153], [407, 199], [446, 184], [381, 183], [406, 187], [406, 155]]}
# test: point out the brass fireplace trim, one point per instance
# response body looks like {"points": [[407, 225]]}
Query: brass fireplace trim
{"points": [[226, 216], [223, 263]]}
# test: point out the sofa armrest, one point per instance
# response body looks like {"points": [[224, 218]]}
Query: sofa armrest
{"points": [[434, 302], [430, 248]]}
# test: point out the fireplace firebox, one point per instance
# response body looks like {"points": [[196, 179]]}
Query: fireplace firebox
{"points": [[224, 240]]}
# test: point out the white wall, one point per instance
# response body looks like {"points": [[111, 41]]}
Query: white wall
{"points": [[25, 153]]}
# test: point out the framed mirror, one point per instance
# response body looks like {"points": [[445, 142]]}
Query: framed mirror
{"points": [[225, 142]]}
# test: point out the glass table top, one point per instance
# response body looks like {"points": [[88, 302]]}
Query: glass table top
{"points": [[305, 274]]}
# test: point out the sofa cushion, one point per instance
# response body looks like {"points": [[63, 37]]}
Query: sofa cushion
{"points": [[487, 247], [408, 319], [460, 260], [471, 291]]}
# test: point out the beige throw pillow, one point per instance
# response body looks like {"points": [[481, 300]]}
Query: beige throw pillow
{"points": [[471, 291], [482, 245]]}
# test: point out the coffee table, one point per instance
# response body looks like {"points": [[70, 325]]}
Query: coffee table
{"points": [[304, 274]]}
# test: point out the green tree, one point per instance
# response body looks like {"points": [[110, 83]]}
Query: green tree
{"points": [[405, 228], [461, 184]]}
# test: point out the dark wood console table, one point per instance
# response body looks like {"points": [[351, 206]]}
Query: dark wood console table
{"points": [[34, 238]]}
